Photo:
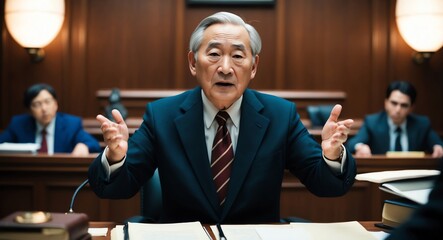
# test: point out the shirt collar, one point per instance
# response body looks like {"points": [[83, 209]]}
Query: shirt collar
{"points": [[209, 111], [393, 127], [50, 129]]}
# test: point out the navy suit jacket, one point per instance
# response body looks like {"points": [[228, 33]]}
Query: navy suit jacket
{"points": [[68, 132], [375, 133], [271, 139]]}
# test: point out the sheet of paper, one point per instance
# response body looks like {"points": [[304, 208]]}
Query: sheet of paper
{"points": [[387, 176], [255, 232], [117, 233], [339, 230], [182, 231], [97, 232], [419, 196]]}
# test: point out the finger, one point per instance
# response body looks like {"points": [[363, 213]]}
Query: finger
{"points": [[347, 123], [117, 116], [102, 119], [335, 113]]}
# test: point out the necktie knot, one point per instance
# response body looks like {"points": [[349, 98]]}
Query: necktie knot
{"points": [[398, 130], [222, 117]]}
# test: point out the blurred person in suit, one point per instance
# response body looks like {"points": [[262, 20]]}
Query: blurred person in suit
{"points": [[426, 222], [396, 128], [265, 135], [57, 132]]}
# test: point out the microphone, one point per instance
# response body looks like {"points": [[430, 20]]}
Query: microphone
{"points": [[75, 195]]}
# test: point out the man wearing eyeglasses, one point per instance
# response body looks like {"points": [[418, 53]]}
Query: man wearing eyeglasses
{"points": [[56, 132], [396, 128]]}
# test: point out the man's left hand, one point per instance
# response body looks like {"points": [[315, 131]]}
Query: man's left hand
{"points": [[334, 134]]}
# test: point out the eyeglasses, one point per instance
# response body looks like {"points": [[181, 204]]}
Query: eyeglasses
{"points": [[39, 104]]}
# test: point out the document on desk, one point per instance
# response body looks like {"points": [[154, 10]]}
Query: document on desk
{"points": [[166, 231], [299, 231]]}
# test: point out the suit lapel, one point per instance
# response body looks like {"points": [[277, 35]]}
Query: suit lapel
{"points": [[59, 129], [253, 126], [192, 135], [413, 134]]}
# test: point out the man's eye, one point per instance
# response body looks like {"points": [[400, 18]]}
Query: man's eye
{"points": [[213, 54]]}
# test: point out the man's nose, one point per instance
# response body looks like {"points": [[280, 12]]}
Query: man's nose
{"points": [[225, 66]]}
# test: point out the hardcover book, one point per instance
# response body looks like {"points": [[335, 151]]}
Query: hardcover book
{"points": [[48, 226], [397, 211]]}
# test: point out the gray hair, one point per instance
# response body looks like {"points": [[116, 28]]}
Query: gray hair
{"points": [[224, 17]]}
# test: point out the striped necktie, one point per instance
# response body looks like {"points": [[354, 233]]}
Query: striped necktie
{"points": [[222, 156]]}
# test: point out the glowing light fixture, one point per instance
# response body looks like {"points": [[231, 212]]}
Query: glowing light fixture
{"points": [[34, 23], [420, 23]]}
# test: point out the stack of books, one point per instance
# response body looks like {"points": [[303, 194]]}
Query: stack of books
{"points": [[43, 225], [411, 187]]}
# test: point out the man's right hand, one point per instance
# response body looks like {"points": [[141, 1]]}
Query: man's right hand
{"points": [[115, 135], [362, 150]]}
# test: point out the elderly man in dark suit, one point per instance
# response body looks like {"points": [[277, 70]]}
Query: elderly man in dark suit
{"points": [[396, 128], [63, 133], [256, 136]]}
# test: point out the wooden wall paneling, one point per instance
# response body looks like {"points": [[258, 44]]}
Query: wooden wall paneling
{"points": [[352, 46], [381, 16], [76, 87]]}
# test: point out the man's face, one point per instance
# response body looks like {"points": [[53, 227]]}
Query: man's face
{"points": [[44, 107], [398, 106], [224, 65]]}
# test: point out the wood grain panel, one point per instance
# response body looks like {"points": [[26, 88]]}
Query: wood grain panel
{"points": [[43, 182]]}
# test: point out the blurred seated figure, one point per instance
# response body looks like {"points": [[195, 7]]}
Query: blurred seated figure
{"points": [[114, 103], [56, 132], [396, 128], [318, 114]]}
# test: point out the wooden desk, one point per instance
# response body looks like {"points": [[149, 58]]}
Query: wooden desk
{"points": [[46, 183], [368, 225]]}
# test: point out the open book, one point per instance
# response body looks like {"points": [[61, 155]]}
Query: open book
{"points": [[411, 184]]}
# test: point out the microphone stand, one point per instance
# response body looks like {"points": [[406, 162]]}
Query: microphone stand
{"points": [[75, 195]]}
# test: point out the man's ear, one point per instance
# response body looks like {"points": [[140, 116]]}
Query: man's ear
{"points": [[191, 61], [254, 67]]}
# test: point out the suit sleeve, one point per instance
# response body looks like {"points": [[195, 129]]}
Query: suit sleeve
{"points": [[307, 163], [361, 137], [8, 135], [82, 136]]}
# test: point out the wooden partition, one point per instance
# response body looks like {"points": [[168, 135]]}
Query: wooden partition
{"points": [[43, 182], [135, 101]]}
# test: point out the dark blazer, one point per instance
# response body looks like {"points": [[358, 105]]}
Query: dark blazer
{"points": [[271, 139], [68, 132], [375, 133], [427, 221]]}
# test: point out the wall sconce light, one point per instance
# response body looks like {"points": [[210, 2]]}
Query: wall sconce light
{"points": [[420, 23], [34, 23]]}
